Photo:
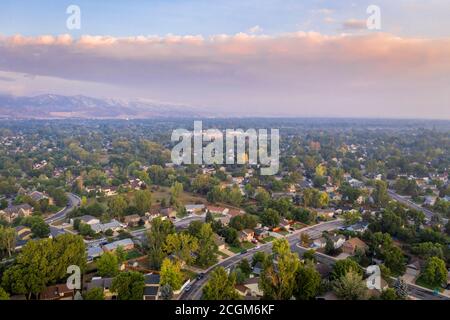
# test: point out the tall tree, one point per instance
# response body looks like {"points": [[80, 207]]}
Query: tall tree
{"points": [[220, 286], [143, 201], [435, 273], [207, 247], [7, 239], [156, 238], [128, 285], [350, 286], [108, 265], [182, 245], [171, 274], [279, 274], [117, 206], [308, 282]]}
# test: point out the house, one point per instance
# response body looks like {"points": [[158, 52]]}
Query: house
{"points": [[57, 292], [258, 268], [354, 183], [19, 211], [338, 241], [325, 213], [102, 283], [110, 191], [194, 208], [23, 233], [246, 235], [113, 225], [324, 270], [136, 184], [169, 213], [217, 210], [319, 243], [224, 219], [126, 244], [54, 232], [234, 212], [219, 241], [252, 285], [430, 201], [358, 227], [94, 252], [37, 196], [87, 219], [352, 245], [151, 288], [261, 233], [132, 220]]}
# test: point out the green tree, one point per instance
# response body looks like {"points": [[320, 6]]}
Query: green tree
{"points": [[94, 294], [7, 239], [350, 287], [171, 274], [156, 238], [395, 260], [220, 286], [121, 254], [278, 277], [435, 273], [342, 267], [108, 265], [128, 285], [270, 218], [380, 194], [308, 282], [166, 292], [182, 245], [117, 206], [3, 294], [207, 248], [389, 294], [143, 201]]}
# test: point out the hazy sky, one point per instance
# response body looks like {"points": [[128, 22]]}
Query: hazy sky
{"points": [[246, 57]]}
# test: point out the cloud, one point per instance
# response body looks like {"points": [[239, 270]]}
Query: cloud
{"points": [[254, 30], [354, 24], [301, 73]]}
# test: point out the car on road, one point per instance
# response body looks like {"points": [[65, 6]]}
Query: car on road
{"points": [[200, 276], [244, 251], [188, 288]]}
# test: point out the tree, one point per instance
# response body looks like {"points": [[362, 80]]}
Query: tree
{"points": [[270, 218], [304, 239], [181, 245], [166, 292], [156, 238], [128, 285], [220, 286], [7, 240], [94, 294], [176, 190], [342, 267], [435, 273], [68, 249], [117, 206], [37, 225], [350, 287], [308, 282], [108, 265], [120, 254], [394, 260], [278, 277], [389, 294], [245, 267], [310, 255], [262, 197], [380, 195], [3, 294], [171, 274], [143, 201], [207, 248]]}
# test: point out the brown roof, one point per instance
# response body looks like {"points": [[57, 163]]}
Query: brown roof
{"points": [[355, 243], [55, 292]]}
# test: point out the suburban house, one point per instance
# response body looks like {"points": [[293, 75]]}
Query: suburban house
{"points": [[113, 225], [57, 292], [136, 184], [325, 213], [220, 242], [338, 241], [132, 220], [109, 191], [319, 243], [194, 208], [23, 233], [224, 219], [261, 233], [102, 283], [252, 284], [94, 252], [351, 246], [151, 289], [54, 232], [217, 210], [126, 244], [234, 212], [358, 227], [169, 213], [246, 235], [37, 196], [87, 219], [258, 268], [13, 212]]}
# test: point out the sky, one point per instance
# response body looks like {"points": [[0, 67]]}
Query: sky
{"points": [[247, 57]]}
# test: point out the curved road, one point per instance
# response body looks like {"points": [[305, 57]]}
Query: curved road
{"points": [[196, 289], [74, 201]]}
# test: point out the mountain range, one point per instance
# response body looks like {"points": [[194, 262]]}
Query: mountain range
{"points": [[50, 106]]}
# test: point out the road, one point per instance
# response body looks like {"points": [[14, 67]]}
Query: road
{"points": [[428, 213], [74, 201], [314, 231], [414, 290]]}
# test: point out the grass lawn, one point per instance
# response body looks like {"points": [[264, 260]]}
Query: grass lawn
{"points": [[268, 239], [188, 274], [222, 254], [247, 245], [235, 249], [284, 233]]}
